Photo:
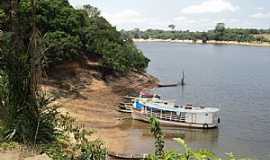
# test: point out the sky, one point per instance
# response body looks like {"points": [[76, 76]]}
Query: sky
{"points": [[193, 15]]}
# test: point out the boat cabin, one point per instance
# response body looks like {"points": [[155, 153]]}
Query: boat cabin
{"points": [[170, 113]]}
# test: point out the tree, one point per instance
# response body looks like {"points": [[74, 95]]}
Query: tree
{"points": [[91, 11], [204, 37], [220, 27], [28, 117], [172, 26], [137, 33], [75, 34]]}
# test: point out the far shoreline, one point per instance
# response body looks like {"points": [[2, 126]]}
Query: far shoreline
{"points": [[255, 44]]}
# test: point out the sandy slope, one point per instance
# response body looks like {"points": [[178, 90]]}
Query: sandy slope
{"points": [[91, 99]]}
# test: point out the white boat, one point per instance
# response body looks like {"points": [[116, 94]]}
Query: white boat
{"points": [[172, 115]]}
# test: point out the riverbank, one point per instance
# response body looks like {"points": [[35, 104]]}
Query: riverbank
{"points": [[93, 100], [257, 44]]}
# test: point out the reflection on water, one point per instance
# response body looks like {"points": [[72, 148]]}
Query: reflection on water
{"points": [[135, 137]]}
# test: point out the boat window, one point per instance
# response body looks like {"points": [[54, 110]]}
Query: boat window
{"points": [[206, 114], [176, 106]]}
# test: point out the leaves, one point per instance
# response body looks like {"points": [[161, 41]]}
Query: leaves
{"points": [[158, 135], [73, 34], [219, 33], [188, 154]]}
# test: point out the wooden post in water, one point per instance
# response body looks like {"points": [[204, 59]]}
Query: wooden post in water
{"points": [[183, 79]]}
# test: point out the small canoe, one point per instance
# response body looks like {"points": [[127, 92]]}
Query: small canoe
{"points": [[168, 85], [125, 110], [128, 156]]}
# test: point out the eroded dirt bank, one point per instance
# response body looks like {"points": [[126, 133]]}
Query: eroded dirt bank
{"points": [[92, 98]]}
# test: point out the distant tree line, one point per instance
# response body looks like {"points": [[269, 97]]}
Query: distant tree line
{"points": [[220, 33]]}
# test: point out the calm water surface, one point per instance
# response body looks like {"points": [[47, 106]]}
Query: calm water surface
{"points": [[236, 79]]}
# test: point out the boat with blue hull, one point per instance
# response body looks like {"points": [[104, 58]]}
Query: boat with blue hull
{"points": [[170, 114]]}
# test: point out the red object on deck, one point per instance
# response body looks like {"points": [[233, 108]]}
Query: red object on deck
{"points": [[146, 95]]}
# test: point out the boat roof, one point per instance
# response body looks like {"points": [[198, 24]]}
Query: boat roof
{"points": [[169, 106]]}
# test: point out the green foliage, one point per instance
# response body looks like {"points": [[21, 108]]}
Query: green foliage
{"points": [[73, 143], [220, 33], [158, 135], [172, 26], [122, 57], [77, 33], [91, 11], [220, 27], [93, 150], [62, 47], [2, 17], [27, 116], [9, 145], [187, 154]]}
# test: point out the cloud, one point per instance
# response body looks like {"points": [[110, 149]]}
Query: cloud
{"points": [[125, 16], [184, 20], [260, 15], [180, 18], [210, 6]]}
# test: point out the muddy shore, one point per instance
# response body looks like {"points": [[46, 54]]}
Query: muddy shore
{"points": [[92, 100]]}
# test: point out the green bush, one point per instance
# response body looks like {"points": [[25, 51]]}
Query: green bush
{"points": [[62, 47], [73, 34], [73, 143]]}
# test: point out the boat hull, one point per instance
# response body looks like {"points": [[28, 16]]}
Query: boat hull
{"points": [[137, 115]]}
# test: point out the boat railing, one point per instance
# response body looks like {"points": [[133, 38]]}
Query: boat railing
{"points": [[169, 116]]}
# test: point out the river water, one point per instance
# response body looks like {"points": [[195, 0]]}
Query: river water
{"points": [[235, 79]]}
